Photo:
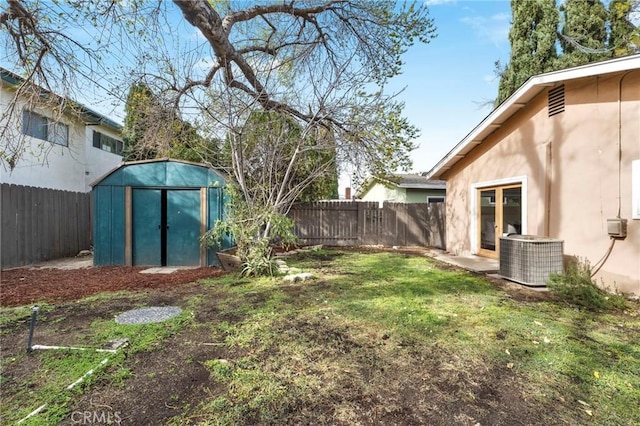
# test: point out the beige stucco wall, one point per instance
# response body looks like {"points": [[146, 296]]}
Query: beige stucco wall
{"points": [[572, 178]]}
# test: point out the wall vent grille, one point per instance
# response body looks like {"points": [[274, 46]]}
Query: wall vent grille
{"points": [[530, 260], [556, 100]]}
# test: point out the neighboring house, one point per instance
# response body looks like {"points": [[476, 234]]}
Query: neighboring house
{"points": [[65, 152], [45, 199], [559, 158], [402, 188]]}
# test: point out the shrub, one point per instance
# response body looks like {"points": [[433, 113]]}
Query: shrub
{"points": [[576, 287], [253, 228]]}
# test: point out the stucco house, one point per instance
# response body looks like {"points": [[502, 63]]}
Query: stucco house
{"points": [[402, 188], [559, 158], [59, 151]]}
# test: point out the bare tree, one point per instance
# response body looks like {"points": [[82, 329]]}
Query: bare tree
{"points": [[251, 45], [322, 65]]}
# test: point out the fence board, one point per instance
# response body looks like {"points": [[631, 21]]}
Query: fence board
{"points": [[40, 224], [436, 225], [351, 223]]}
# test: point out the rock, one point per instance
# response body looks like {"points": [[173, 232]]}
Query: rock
{"points": [[298, 277]]}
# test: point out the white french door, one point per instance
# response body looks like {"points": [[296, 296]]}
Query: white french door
{"points": [[499, 212]]}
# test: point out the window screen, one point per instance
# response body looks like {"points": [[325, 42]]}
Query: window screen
{"points": [[34, 125], [39, 126]]}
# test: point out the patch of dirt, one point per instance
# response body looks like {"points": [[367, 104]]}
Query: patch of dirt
{"points": [[28, 285], [163, 381]]}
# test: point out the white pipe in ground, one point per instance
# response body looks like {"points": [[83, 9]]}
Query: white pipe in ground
{"points": [[73, 348], [119, 343]]}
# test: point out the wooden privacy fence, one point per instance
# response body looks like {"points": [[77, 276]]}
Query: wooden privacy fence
{"points": [[39, 224], [352, 223]]}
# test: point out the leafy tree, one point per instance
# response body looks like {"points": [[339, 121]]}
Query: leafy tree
{"points": [[588, 33], [624, 36], [584, 32], [533, 44], [269, 140], [153, 130]]}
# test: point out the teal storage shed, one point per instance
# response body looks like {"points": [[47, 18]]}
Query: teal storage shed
{"points": [[154, 213]]}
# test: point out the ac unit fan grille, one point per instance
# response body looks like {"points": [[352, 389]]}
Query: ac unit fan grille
{"points": [[530, 260]]}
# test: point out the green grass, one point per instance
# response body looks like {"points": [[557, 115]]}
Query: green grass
{"points": [[369, 331], [561, 354]]}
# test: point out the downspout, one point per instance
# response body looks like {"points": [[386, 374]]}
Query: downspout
{"points": [[547, 188], [620, 142]]}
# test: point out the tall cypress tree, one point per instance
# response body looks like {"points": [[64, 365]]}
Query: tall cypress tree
{"points": [[584, 32], [624, 36], [589, 33], [533, 38]]}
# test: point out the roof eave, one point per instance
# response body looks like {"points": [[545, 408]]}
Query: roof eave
{"points": [[519, 99], [86, 114]]}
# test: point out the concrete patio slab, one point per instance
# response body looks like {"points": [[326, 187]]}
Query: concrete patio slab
{"points": [[473, 263], [159, 270]]}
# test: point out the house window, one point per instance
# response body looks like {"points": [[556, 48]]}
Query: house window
{"points": [[433, 199], [41, 127], [107, 143]]}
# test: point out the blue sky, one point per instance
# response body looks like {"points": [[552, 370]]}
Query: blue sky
{"points": [[448, 80]]}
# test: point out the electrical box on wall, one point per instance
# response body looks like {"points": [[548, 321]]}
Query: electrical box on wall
{"points": [[617, 228]]}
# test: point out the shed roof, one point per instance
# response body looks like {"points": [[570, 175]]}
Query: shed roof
{"points": [[161, 172], [519, 99]]}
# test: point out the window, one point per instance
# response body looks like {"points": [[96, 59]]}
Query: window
{"points": [[41, 127], [107, 143], [433, 199]]}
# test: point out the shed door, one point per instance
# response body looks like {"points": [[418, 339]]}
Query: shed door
{"points": [[166, 227], [183, 227], [147, 225]]}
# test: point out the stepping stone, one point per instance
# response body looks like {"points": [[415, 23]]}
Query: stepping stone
{"points": [[159, 270], [148, 315]]}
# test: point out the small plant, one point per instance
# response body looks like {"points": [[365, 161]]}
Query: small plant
{"points": [[258, 261], [576, 287], [253, 228]]}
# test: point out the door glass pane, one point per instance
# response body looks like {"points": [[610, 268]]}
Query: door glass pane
{"points": [[487, 219], [512, 210]]}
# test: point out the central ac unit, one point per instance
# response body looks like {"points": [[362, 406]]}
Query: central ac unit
{"points": [[529, 259]]}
